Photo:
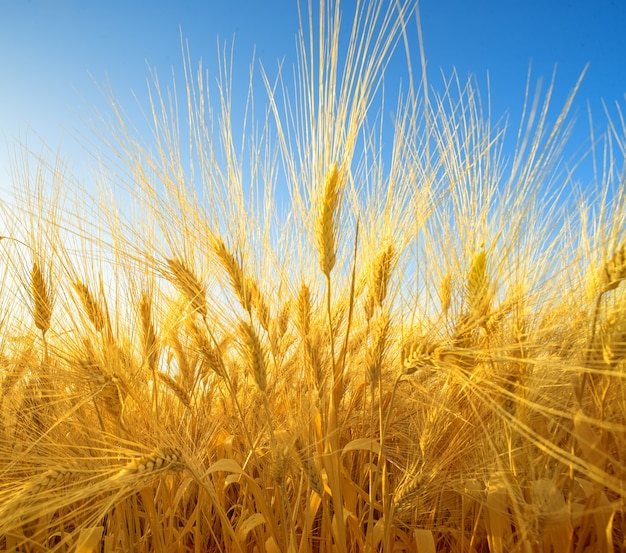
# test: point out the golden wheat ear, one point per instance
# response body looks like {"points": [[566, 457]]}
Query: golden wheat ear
{"points": [[614, 270], [478, 286], [96, 314], [254, 355], [42, 301], [188, 284], [325, 224], [234, 269]]}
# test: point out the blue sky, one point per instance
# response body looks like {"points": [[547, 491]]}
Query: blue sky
{"points": [[54, 54]]}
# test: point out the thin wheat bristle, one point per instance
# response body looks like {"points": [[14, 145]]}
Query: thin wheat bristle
{"points": [[42, 311], [254, 355], [325, 223], [188, 284]]}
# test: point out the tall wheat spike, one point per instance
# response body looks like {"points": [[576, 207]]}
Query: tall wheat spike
{"points": [[254, 355], [96, 314], [235, 272], [478, 286], [326, 221], [614, 270], [42, 302], [188, 284]]}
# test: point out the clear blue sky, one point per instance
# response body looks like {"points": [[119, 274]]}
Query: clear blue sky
{"points": [[54, 53]]}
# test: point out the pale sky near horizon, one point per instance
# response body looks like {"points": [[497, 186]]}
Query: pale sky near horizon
{"points": [[54, 54]]}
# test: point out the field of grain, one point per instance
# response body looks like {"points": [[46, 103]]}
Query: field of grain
{"points": [[423, 348]]}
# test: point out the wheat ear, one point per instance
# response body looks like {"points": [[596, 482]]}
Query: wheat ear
{"points": [[160, 460], [42, 302], [445, 293], [188, 284], [376, 352], [149, 337], [178, 390], [315, 480], [254, 355], [478, 286], [92, 307], [235, 272], [379, 279], [382, 273], [325, 224], [614, 270], [303, 306]]}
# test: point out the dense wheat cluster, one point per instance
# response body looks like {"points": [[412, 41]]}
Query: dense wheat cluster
{"points": [[423, 349]]}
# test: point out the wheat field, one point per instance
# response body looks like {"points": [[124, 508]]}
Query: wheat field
{"points": [[421, 349]]}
